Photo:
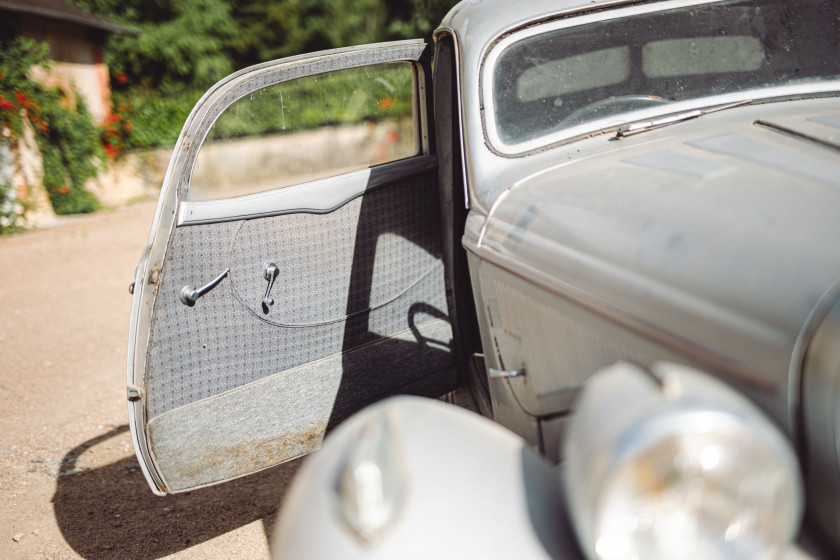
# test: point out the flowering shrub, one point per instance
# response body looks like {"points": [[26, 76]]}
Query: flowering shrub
{"points": [[67, 138], [116, 130]]}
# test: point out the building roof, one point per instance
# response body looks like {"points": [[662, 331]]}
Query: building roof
{"points": [[62, 11]]}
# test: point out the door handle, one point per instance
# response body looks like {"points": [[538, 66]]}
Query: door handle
{"points": [[271, 272], [189, 293]]}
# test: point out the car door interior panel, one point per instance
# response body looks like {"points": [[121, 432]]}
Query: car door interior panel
{"points": [[327, 304], [353, 315]]}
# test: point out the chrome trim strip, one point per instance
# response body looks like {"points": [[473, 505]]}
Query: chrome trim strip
{"points": [[421, 118], [611, 123], [787, 131], [621, 317], [140, 328], [316, 197]]}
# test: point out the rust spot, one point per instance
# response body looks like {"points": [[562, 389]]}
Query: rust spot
{"points": [[154, 276], [204, 462]]}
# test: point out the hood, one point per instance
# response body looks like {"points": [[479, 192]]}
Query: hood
{"points": [[721, 231]]}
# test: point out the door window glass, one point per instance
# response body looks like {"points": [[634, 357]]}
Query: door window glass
{"points": [[310, 128]]}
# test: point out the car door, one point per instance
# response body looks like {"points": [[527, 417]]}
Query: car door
{"points": [[293, 273]]}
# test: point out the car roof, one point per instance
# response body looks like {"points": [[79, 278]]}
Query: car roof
{"points": [[484, 20], [476, 24]]}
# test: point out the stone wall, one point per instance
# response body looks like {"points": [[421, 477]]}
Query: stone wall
{"points": [[24, 166]]}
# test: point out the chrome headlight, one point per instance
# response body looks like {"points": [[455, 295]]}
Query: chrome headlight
{"points": [[672, 464]]}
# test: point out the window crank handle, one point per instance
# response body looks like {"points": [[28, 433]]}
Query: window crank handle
{"points": [[189, 293], [271, 272]]}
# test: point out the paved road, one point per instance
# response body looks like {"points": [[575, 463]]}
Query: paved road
{"points": [[70, 486]]}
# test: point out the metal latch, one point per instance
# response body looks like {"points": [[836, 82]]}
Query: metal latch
{"points": [[134, 393]]}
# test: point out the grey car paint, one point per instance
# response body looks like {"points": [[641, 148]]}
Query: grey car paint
{"points": [[441, 454], [714, 237], [476, 26], [708, 242]]}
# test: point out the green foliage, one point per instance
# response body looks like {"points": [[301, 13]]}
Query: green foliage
{"points": [[180, 51], [270, 30], [411, 19], [68, 139], [157, 120], [374, 93], [16, 90], [180, 45], [68, 150], [185, 46]]}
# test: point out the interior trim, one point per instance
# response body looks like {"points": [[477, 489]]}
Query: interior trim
{"points": [[315, 197]]}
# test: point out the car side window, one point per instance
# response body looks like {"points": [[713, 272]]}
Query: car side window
{"points": [[310, 128]]}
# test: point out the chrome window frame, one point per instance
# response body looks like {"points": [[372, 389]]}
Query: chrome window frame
{"points": [[230, 208]]}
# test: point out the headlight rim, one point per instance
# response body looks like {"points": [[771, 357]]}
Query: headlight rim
{"points": [[666, 417]]}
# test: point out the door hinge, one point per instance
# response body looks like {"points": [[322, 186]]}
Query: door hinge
{"points": [[134, 393]]}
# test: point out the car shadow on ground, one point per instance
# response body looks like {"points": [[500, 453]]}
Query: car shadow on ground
{"points": [[110, 512]]}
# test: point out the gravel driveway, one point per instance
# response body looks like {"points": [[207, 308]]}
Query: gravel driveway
{"points": [[70, 486]]}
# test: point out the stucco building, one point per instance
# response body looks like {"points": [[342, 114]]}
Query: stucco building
{"points": [[76, 38]]}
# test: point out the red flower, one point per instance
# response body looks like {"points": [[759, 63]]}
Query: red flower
{"points": [[385, 103], [64, 189], [5, 104], [121, 77], [23, 99], [110, 150]]}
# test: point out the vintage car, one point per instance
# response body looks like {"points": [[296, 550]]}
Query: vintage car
{"points": [[612, 223]]}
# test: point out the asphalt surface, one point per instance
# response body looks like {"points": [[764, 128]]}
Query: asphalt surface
{"points": [[70, 486]]}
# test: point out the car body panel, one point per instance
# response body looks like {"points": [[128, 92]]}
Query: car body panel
{"points": [[442, 455], [704, 235]]}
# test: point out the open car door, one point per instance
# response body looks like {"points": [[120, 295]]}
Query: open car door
{"points": [[293, 272]]}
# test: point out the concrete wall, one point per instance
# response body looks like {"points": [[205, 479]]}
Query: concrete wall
{"points": [[236, 167], [230, 168], [133, 176]]}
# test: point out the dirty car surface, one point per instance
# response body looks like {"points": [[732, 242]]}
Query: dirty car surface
{"points": [[613, 223]]}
